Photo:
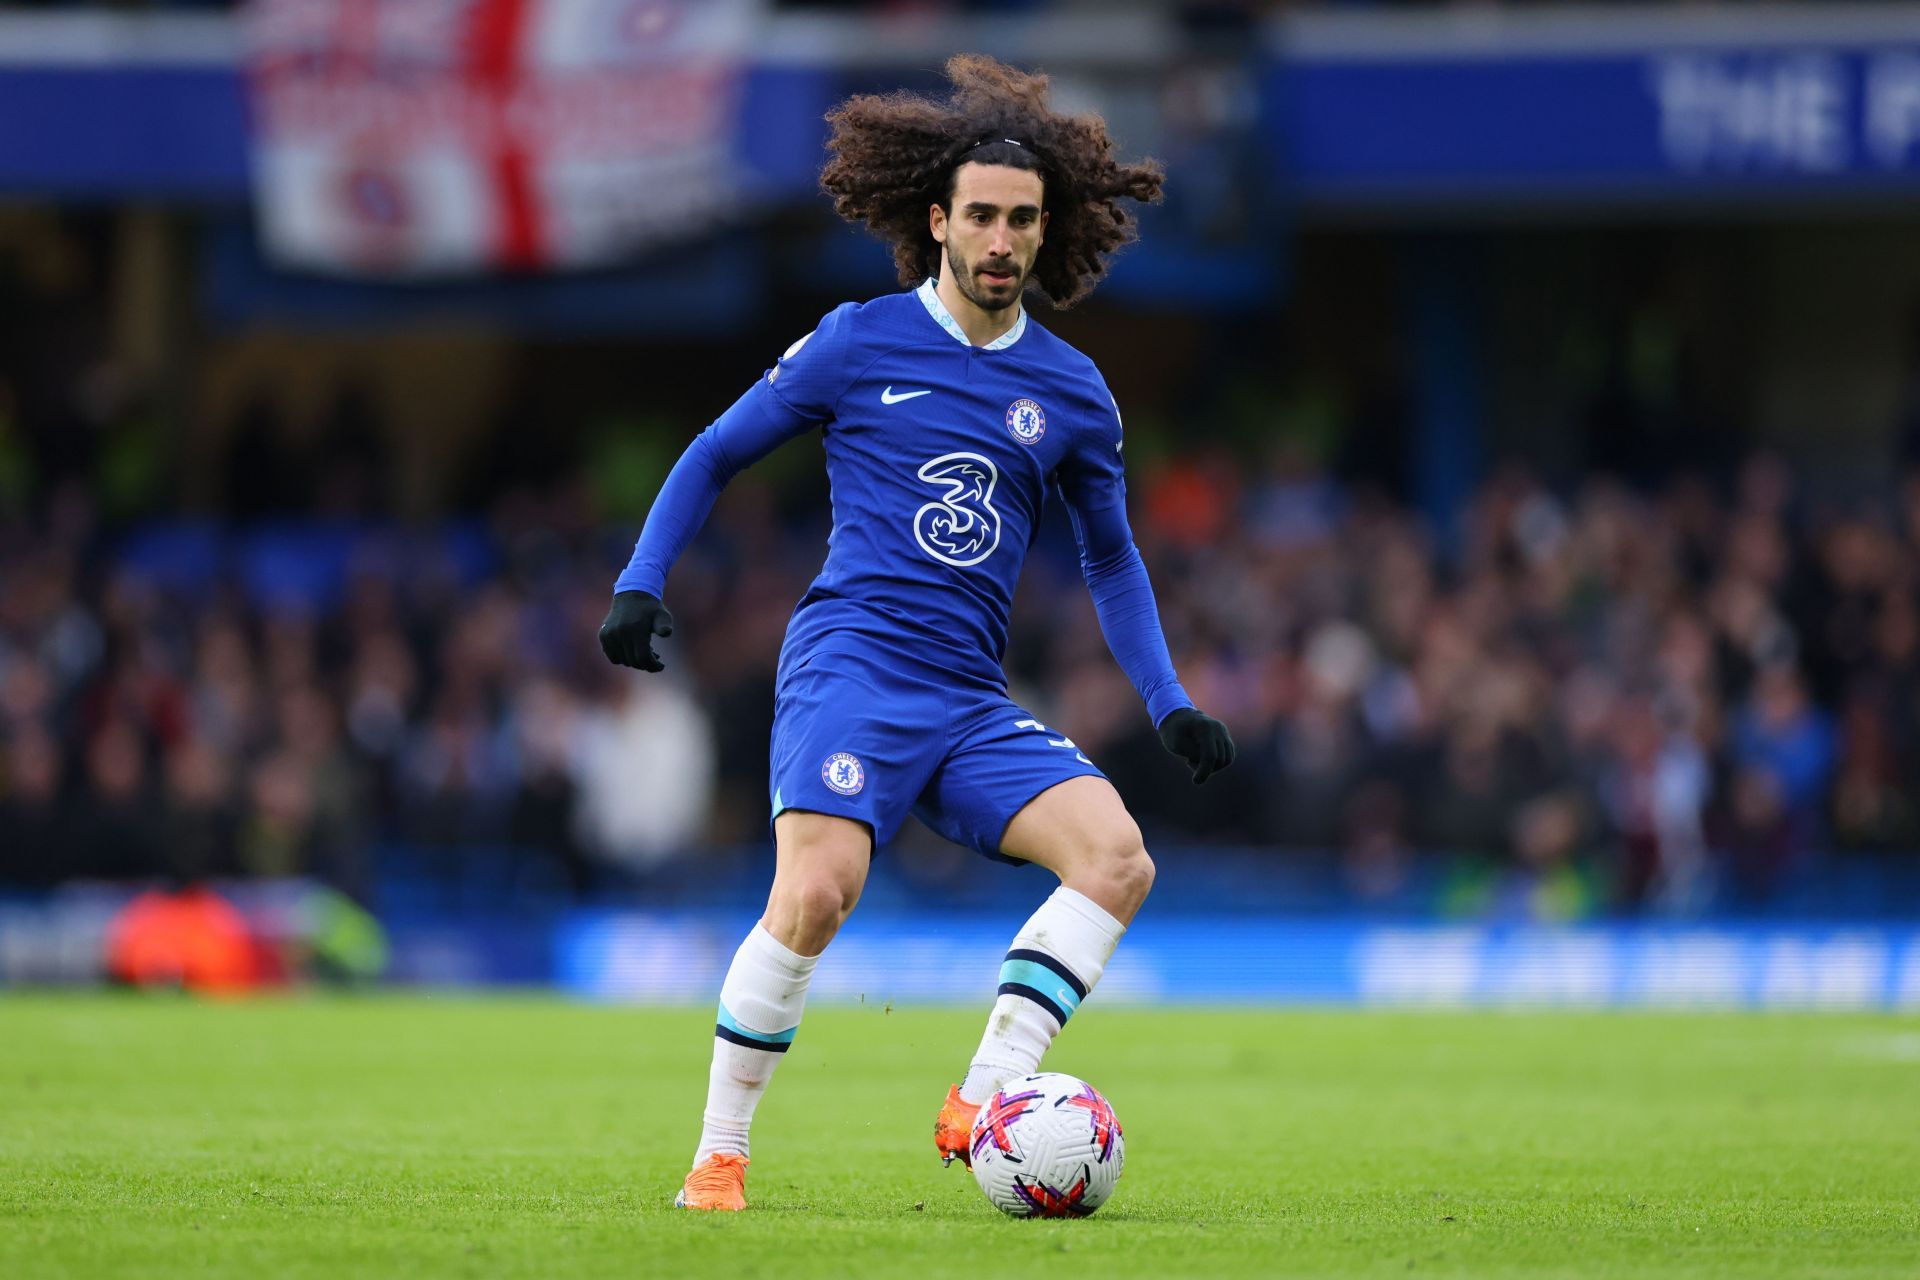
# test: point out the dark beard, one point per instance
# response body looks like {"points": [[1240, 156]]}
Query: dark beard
{"points": [[963, 277]]}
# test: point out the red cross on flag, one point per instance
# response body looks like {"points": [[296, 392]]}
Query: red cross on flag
{"points": [[449, 137]]}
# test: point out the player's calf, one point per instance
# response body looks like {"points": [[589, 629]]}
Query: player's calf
{"points": [[821, 864], [1056, 959], [1080, 831]]}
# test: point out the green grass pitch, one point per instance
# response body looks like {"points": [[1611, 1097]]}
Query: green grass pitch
{"points": [[445, 1137]]}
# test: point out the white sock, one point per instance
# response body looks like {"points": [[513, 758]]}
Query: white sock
{"points": [[760, 1006], [1056, 958]]}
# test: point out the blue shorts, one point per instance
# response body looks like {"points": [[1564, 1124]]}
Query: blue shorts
{"points": [[873, 737]]}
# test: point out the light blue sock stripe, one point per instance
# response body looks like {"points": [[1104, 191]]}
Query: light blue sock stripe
{"points": [[732, 1024], [1029, 973]]}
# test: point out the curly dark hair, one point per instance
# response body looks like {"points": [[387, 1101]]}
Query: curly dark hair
{"points": [[895, 155]]}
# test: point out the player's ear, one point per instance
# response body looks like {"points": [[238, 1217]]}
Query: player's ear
{"points": [[1044, 215], [937, 222]]}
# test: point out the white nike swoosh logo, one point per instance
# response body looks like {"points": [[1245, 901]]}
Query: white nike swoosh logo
{"points": [[887, 396]]}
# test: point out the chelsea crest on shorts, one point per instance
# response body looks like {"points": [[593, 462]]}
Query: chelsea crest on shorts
{"points": [[843, 772]]}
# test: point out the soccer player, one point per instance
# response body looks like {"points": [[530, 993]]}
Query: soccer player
{"points": [[948, 416]]}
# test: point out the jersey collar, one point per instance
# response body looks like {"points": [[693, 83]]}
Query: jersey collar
{"points": [[930, 298]]}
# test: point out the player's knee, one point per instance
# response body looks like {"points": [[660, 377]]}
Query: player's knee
{"points": [[1131, 872], [1117, 867], [816, 907]]}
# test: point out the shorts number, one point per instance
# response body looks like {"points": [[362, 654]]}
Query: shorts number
{"points": [[1061, 741]]}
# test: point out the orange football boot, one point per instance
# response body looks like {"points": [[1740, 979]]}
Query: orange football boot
{"points": [[718, 1183], [953, 1129]]}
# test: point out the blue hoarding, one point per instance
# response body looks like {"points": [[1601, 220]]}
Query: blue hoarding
{"points": [[1206, 960], [1683, 122], [1382, 106]]}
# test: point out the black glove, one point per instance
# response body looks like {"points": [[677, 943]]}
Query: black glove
{"points": [[627, 635], [1199, 739]]}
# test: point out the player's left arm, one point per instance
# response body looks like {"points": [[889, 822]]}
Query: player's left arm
{"points": [[1092, 480]]}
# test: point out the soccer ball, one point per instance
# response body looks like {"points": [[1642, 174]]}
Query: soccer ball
{"points": [[1047, 1146]]}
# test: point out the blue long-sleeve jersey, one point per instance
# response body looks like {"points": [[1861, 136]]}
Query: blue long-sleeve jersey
{"points": [[940, 455]]}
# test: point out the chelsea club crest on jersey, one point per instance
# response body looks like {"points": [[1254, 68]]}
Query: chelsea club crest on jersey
{"points": [[1026, 422]]}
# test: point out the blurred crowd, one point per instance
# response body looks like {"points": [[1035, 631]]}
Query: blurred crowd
{"points": [[191, 724], [1603, 698]]}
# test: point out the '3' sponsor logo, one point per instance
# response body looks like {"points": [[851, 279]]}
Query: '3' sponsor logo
{"points": [[960, 527]]}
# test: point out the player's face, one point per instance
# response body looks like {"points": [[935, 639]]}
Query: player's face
{"points": [[992, 233]]}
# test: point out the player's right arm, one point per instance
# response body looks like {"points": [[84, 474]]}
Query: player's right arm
{"points": [[797, 394]]}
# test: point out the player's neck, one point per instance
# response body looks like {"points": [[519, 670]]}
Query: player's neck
{"points": [[979, 324]]}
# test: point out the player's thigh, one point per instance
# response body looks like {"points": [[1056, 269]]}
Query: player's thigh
{"points": [[999, 759], [822, 856], [1075, 827]]}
